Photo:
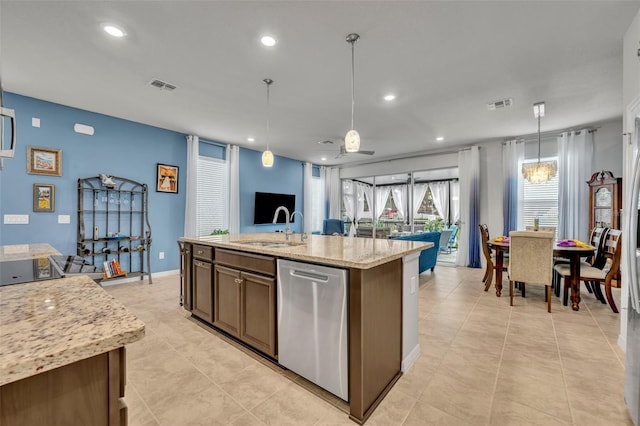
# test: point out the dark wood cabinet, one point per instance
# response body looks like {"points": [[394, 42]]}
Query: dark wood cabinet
{"points": [[605, 200], [202, 282], [227, 300], [245, 298], [258, 312], [185, 275]]}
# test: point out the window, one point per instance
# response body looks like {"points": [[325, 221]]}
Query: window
{"points": [[213, 194], [317, 203], [537, 200]]}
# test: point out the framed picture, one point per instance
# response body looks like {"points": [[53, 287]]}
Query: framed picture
{"points": [[44, 197], [41, 269], [167, 178], [44, 161]]}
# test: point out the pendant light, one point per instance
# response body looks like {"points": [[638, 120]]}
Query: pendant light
{"points": [[352, 138], [267, 156], [541, 171]]}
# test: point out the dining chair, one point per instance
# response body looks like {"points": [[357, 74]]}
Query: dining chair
{"points": [[542, 228], [332, 227], [531, 260], [611, 248], [488, 256]]}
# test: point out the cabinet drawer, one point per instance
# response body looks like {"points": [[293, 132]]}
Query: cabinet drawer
{"points": [[203, 252], [247, 261]]}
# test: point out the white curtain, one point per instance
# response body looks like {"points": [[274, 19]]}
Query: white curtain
{"points": [[419, 191], [440, 197], [233, 159], [455, 201], [399, 194], [322, 210], [363, 191], [575, 157], [332, 189], [348, 198], [191, 203], [512, 156], [308, 198], [468, 237], [382, 195]]}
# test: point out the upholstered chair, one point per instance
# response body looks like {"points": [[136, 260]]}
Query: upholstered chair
{"points": [[531, 260]]}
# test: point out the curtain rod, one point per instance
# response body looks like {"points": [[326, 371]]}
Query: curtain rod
{"points": [[534, 136], [208, 142]]}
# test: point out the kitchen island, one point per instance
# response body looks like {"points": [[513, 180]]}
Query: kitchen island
{"points": [[62, 357], [229, 281]]}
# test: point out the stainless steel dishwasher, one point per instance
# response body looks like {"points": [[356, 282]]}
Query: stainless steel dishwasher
{"points": [[312, 324]]}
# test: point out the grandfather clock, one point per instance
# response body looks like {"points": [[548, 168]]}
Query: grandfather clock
{"points": [[605, 200]]}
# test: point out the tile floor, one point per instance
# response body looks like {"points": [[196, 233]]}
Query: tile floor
{"points": [[482, 363]]}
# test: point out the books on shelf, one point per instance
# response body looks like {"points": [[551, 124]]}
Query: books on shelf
{"points": [[112, 269]]}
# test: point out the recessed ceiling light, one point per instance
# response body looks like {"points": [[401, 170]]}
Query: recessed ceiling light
{"points": [[324, 158], [268, 40], [114, 31], [250, 139], [389, 97], [439, 138]]}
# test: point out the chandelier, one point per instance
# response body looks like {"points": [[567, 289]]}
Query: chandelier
{"points": [[542, 171]]}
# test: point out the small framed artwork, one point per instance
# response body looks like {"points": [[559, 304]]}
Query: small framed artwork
{"points": [[41, 269], [167, 178], [44, 161], [44, 197]]}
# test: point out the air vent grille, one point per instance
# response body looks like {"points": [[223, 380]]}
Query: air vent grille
{"points": [[162, 85], [503, 103]]}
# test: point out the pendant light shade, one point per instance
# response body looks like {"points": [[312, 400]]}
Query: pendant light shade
{"points": [[544, 171], [352, 138], [267, 156]]}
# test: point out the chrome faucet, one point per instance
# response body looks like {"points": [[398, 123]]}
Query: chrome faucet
{"points": [[303, 236], [287, 228]]}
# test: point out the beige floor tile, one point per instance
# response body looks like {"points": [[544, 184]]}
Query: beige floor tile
{"points": [[512, 413], [457, 399], [393, 410], [247, 419], [252, 385], [293, 405], [425, 414], [138, 412]]}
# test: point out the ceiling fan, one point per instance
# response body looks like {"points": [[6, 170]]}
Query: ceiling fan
{"points": [[343, 151]]}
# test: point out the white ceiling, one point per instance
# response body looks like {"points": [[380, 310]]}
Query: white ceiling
{"points": [[444, 60]]}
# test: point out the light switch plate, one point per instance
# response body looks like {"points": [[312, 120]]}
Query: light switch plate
{"points": [[64, 218], [161, 255], [35, 121], [16, 219]]}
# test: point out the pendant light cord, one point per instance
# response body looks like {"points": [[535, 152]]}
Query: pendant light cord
{"points": [[353, 84], [538, 139], [268, 82]]}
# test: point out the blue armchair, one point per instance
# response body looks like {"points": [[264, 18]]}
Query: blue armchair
{"points": [[332, 226], [428, 257]]}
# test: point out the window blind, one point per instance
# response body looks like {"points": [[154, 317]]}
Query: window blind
{"points": [[537, 200], [212, 193]]}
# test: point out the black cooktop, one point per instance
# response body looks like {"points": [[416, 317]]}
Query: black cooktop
{"points": [[24, 271]]}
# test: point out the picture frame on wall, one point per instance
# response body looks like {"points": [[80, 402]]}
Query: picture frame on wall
{"points": [[167, 178], [44, 161], [44, 197]]}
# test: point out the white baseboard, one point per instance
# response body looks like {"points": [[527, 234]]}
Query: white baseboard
{"points": [[410, 359], [622, 342], [117, 281]]}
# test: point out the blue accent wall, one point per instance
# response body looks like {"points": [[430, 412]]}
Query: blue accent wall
{"points": [[285, 177], [125, 149], [118, 147]]}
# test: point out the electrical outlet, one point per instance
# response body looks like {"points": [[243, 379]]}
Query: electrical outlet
{"points": [[35, 121], [64, 218], [161, 255]]}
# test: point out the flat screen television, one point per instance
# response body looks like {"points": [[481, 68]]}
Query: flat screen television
{"points": [[267, 203]]}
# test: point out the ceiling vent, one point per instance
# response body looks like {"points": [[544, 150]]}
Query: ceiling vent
{"points": [[503, 103], [325, 142], [162, 85]]}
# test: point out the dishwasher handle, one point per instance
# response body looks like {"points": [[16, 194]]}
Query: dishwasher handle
{"points": [[306, 275]]}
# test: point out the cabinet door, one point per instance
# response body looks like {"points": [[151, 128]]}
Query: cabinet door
{"points": [[187, 285], [258, 312], [227, 300], [202, 290]]}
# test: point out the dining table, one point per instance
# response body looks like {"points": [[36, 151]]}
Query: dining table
{"points": [[572, 253]]}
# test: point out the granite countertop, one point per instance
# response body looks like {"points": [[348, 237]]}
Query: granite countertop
{"points": [[361, 253], [26, 251], [48, 324]]}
